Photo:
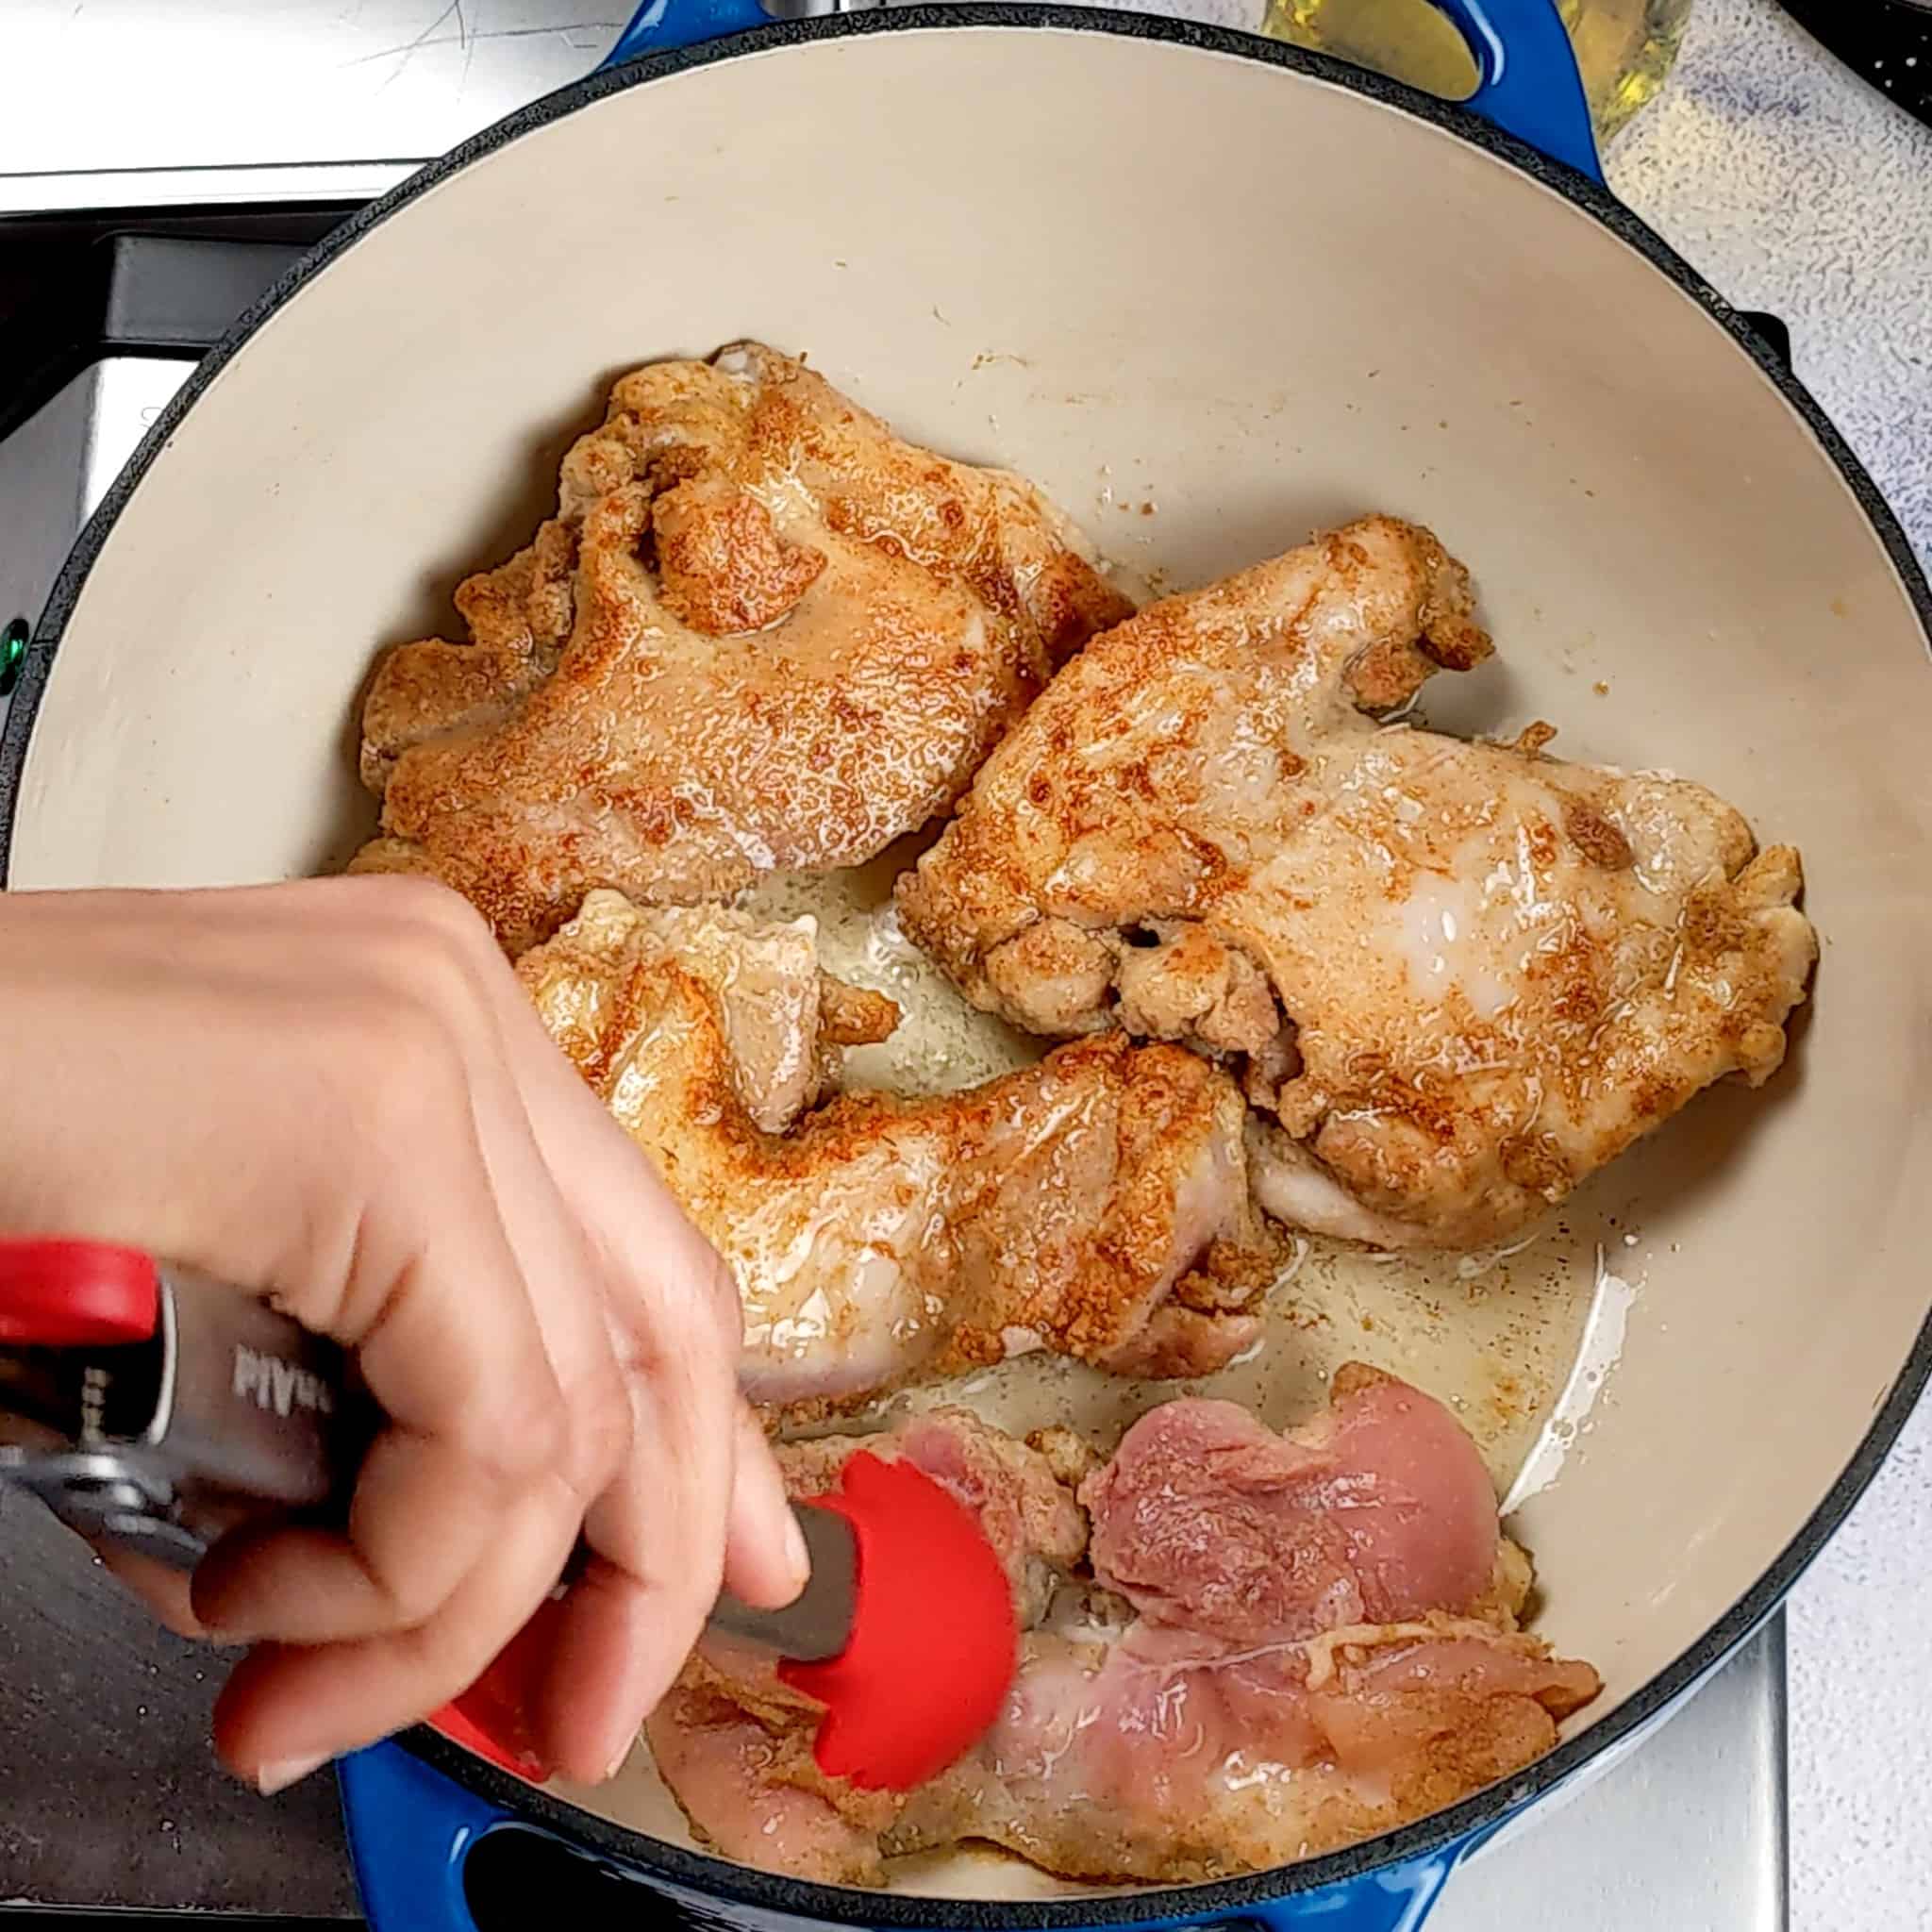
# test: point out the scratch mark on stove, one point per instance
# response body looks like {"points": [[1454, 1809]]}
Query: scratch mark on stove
{"points": [[430, 38], [410, 49]]}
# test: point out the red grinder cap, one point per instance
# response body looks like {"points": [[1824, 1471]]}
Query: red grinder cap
{"points": [[76, 1294]]}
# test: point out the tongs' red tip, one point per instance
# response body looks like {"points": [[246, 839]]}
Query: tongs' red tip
{"points": [[934, 1636], [927, 1667], [489, 1717]]}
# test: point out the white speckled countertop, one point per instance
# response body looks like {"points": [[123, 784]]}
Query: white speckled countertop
{"points": [[1790, 185], [1794, 187]]}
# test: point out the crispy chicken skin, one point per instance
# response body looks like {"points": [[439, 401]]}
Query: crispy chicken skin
{"points": [[1096, 1205], [1290, 1642], [760, 633], [1456, 977]]}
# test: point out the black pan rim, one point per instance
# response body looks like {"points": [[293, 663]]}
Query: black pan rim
{"points": [[1473, 1817]]}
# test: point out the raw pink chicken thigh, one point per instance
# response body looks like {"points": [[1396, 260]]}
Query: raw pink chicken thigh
{"points": [[1287, 1643]]}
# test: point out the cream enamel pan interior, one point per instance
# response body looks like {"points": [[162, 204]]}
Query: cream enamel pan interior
{"points": [[1157, 268]]}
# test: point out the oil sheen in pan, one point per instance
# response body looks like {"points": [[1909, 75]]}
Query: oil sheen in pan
{"points": [[1496, 1336]]}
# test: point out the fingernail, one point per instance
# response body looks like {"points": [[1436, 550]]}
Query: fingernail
{"points": [[797, 1557], [622, 1759], [275, 1777]]}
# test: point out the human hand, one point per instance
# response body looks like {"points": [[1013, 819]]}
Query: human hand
{"points": [[335, 1093]]}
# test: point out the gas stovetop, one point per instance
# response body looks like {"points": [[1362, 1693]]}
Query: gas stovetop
{"points": [[109, 1798]]}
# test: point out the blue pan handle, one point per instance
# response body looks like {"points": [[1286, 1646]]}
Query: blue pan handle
{"points": [[661, 25], [410, 1829], [1529, 88]]}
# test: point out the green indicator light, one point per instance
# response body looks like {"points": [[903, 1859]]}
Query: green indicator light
{"points": [[12, 652]]}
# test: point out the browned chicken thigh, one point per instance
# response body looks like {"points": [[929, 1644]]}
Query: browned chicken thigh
{"points": [[760, 633], [1096, 1205], [1457, 976]]}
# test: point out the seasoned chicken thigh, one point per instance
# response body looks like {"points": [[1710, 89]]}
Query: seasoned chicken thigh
{"points": [[1457, 977], [1293, 1643], [761, 632], [1096, 1205]]}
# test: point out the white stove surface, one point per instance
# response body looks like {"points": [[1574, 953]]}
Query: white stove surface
{"points": [[1793, 189]]}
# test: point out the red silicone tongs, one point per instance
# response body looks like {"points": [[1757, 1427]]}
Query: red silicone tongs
{"points": [[148, 1406]]}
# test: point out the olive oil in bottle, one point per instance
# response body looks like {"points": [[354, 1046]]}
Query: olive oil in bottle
{"points": [[1624, 47]]}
